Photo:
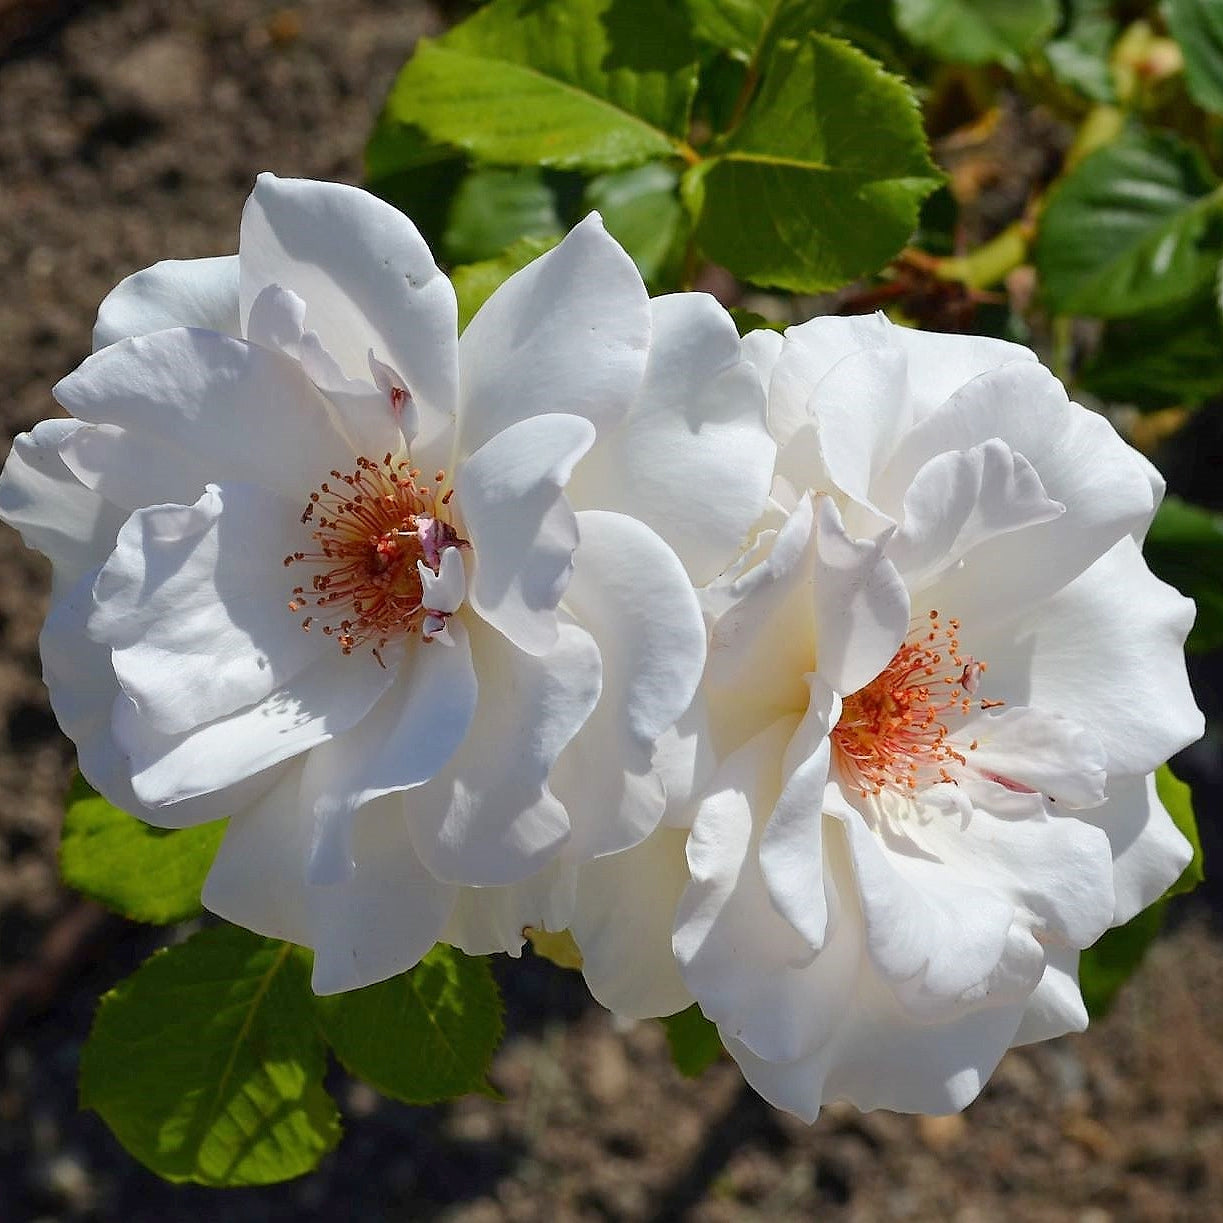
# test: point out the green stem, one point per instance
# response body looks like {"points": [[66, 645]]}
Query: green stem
{"points": [[993, 261]]}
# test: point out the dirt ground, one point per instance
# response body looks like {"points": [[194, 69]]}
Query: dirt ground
{"points": [[132, 131]]}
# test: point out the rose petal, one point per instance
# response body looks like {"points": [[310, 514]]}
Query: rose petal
{"points": [[174, 293], [631, 594], [569, 334], [251, 415], [324, 700], [522, 531], [368, 281], [406, 739], [1106, 652], [692, 459], [625, 909], [1149, 851], [861, 604], [488, 817], [375, 924], [962, 499], [192, 603], [39, 496]]}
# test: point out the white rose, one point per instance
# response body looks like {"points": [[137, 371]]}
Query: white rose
{"points": [[397, 602], [938, 685]]}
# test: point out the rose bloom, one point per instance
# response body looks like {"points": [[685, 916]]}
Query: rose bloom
{"points": [[938, 684], [407, 607]]}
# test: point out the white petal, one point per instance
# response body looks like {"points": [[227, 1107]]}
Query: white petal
{"points": [[763, 645], [884, 1060], [568, 333], [72, 526], [522, 531], [366, 413], [761, 350], [625, 909], [445, 590], [736, 953], [692, 459], [376, 924], [368, 281], [83, 690], [941, 941], [249, 414], [1055, 869], [960, 500], [487, 920], [406, 739], [173, 293], [1082, 464], [1149, 851], [132, 468], [324, 700], [861, 604], [810, 351], [489, 817], [1042, 751], [631, 594], [1106, 652], [791, 846], [861, 407], [193, 603], [1056, 1006], [939, 364], [685, 762]]}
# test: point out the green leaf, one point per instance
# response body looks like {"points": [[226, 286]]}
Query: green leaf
{"points": [[1109, 964], [822, 181], [746, 28], [492, 209], [641, 210], [978, 31], [207, 1064], [583, 84], [424, 1036], [475, 283], [1184, 547], [1105, 967], [148, 874], [1080, 57], [1135, 226], [1197, 25], [1177, 798], [694, 1041], [1161, 358]]}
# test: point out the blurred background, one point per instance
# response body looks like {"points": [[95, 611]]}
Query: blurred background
{"points": [[130, 131]]}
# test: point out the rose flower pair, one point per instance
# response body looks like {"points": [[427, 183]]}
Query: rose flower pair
{"points": [[818, 679]]}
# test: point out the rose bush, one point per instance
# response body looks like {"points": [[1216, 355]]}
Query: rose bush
{"points": [[938, 684], [405, 605]]}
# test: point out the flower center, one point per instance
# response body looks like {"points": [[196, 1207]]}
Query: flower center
{"points": [[371, 530], [894, 733]]}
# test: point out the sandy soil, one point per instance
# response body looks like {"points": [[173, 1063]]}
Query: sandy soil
{"points": [[131, 131]]}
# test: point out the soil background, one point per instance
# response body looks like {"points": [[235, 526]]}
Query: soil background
{"points": [[131, 131]]}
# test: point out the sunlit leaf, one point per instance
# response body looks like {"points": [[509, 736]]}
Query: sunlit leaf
{"points": [[207, 1063], [590, 84], [426, 1035], [148, 874], [1136, 226], [978, 31], [1197, 25], [810, 193]]}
